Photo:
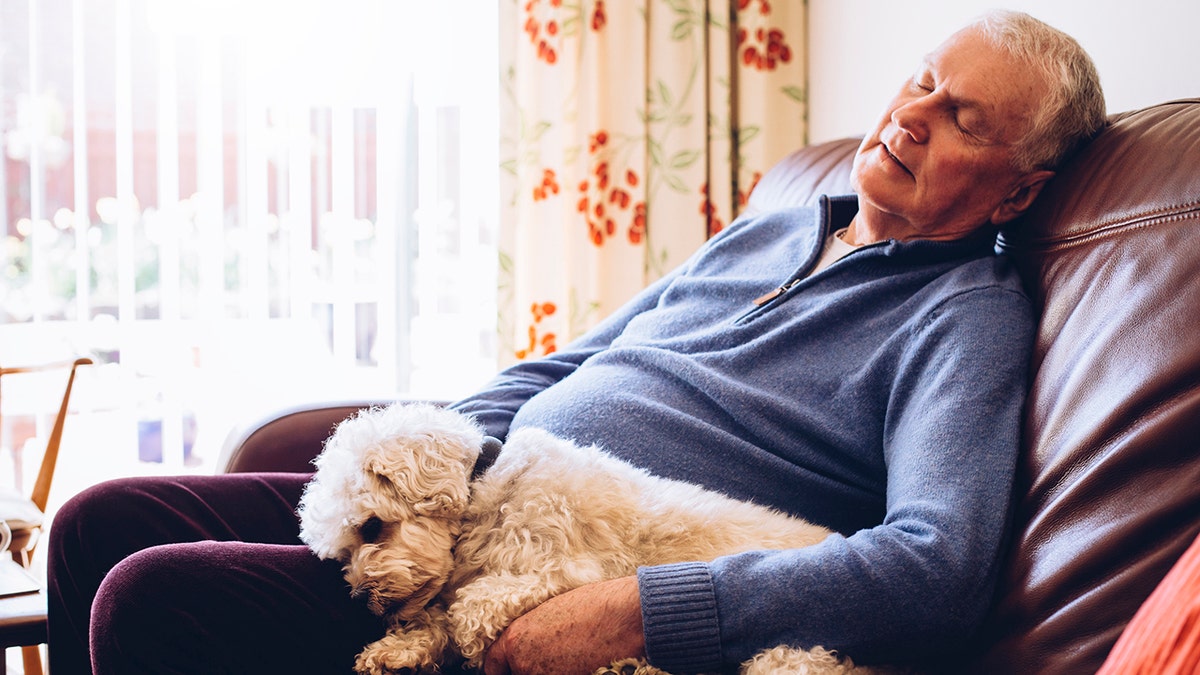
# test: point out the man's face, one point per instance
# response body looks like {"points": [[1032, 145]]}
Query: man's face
{"points": [[938, 165]]}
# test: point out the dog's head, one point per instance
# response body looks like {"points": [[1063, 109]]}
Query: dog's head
{"points": [[387, 500]]}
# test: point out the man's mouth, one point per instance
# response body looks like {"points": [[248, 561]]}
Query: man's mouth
{"points": [[895, 159]]}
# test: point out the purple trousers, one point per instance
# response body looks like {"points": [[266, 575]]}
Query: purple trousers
{"points": [[196, 574]]}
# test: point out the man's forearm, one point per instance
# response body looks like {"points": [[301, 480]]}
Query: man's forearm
{"points": [[576, 632]]}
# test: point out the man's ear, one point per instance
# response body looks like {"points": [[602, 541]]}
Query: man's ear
{"points": [[1021, 197]]}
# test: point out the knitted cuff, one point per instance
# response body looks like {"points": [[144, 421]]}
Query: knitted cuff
{"points": [[679, 615]]}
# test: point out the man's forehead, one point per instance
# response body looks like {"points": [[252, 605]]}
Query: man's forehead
{"points": [[967, 90], [973, 49], [983, 75]]}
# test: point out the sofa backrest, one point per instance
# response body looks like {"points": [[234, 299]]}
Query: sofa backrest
{"points": [[1111, 465], [1109, 483]]}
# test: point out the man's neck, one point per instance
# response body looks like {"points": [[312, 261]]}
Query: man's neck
{"points": [[864, 229]]}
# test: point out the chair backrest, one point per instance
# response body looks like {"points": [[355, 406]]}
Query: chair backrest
{"points": [[41, 486], [287, 439], [1109, 484]]}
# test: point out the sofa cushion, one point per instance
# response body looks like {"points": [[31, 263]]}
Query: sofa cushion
{"points": [[804, 175], [1164, 636]]}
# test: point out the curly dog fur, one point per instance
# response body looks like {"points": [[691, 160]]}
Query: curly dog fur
{"points": [[450, 562]]}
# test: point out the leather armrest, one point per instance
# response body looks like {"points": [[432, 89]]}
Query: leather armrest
{"points": [[288, 439]]}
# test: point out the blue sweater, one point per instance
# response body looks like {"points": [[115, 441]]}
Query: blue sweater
{"points": [[880, 397]]}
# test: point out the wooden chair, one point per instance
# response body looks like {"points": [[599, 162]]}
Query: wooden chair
{"points": [[25, 515]]}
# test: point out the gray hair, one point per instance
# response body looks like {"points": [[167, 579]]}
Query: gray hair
{"points": [[1074, 111]]}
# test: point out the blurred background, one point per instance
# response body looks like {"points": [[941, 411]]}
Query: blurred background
{"points": [[233, 206]]}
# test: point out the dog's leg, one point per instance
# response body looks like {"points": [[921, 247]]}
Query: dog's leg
{"points": [[485, 607], [414, 646]]}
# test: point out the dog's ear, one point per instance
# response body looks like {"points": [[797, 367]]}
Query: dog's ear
{"points": [[429, 491], [447, 504]]}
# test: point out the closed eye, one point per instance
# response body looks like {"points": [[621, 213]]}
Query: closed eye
{"points": [[370, 530], [923, 79], [972, 125]]}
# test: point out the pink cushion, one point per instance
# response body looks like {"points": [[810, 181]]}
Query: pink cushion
{"points": [[1164, 636]]}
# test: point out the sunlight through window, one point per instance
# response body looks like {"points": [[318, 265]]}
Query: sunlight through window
{"points": [[234, 206]]}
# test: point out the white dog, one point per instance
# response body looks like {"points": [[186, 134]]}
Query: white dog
{"points": [[451, 562]]}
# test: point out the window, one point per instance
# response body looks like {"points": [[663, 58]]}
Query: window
{"points": [[236, 204]]}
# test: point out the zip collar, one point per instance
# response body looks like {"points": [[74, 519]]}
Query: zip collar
{"points": [[836, 212]]}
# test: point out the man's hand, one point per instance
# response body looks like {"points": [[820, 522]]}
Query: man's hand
{"points": [[572, 634]]}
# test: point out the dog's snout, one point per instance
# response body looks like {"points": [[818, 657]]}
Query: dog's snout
{"points": [[370, 530]]}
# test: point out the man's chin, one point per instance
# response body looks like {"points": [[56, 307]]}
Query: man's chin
{"points": [[874, 185]]}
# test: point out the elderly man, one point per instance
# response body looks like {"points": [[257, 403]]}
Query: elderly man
{"points": [[883, 403], [861, 364]]}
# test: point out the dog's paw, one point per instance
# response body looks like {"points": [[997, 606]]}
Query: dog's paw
{"points": [[399, 654]]}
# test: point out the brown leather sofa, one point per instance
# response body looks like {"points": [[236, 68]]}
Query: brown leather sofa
{"points": [[1109, 484]]}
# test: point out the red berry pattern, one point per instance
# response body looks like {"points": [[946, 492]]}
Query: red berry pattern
{"points": [[607, 202], [709, 210], [539, 343], [761, 48], [548, 187], [543, 28], [544, 25]]}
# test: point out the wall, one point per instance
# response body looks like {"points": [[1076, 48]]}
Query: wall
{"points": [[862, 50]]}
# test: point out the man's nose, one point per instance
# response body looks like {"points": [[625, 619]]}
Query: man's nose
{"points": [[912, 117]]}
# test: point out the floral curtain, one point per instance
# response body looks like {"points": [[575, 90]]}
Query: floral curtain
{"points": [[631, 130]]}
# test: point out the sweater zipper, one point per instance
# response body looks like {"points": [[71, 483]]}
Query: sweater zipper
{"points": [[771, 295]]}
